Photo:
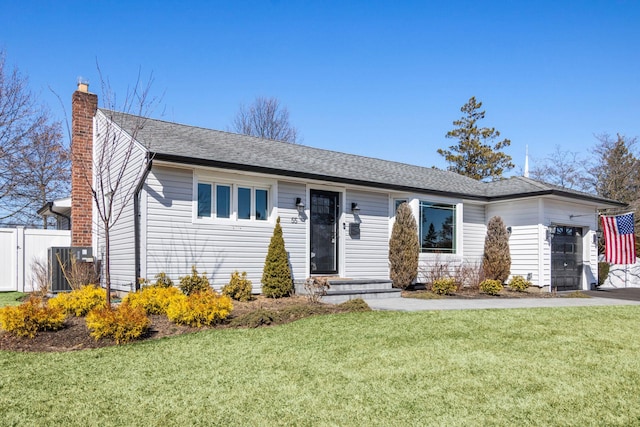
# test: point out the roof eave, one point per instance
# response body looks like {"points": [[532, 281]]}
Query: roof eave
{"points": [[295, 174], [565, 194]]}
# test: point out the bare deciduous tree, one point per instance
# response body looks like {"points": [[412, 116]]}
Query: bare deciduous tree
{"points": [[265, 118], [119, 165], [21, 121], [562, 168], [43, 170]]}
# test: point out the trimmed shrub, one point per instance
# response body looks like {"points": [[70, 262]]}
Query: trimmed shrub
{"points": [[603, 272], [80, 301], [491, 287], [199, 309], [30, 317], [276, 276], [123, 324], [163, 281], [404, 248], [239, 287], [355, 305], [444, 286], [519, 284], [152, 299], [194, 283], [496, 262]]}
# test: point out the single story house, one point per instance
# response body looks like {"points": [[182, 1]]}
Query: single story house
{"points": [[210, 198]]}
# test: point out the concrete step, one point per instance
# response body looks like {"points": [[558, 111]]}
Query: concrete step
{"points": [[341, 290], [337, 297]]}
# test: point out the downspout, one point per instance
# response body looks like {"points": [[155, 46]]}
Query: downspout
{"points": [[136, 222]]}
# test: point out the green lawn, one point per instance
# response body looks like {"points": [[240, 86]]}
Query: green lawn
{"points": [[10, 298], [568, 366]]}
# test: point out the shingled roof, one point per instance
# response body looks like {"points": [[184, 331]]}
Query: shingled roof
{"points": [[199, 146]]}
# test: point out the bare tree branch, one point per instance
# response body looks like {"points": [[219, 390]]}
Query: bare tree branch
{"points": [[265, 118]]}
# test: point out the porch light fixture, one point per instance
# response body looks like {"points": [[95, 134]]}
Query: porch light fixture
{"points": [[299, 204], [355, 208], [551, 230], [509, 230]]}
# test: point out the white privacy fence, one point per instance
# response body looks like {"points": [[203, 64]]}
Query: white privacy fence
{"points": [[19, 248]]}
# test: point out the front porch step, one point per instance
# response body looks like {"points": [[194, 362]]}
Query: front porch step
{"points": [[342, 290]]}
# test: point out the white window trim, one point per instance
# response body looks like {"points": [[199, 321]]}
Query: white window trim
{"points": [[457, 209], [234, 185]]}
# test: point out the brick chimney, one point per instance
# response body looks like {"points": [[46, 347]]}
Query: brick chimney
{"points": [[83, 108]]}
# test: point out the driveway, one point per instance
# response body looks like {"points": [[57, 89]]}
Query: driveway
{"points": [[626, 296]]}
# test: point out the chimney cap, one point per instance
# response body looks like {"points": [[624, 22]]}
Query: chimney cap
{"points": [[83, 85]]}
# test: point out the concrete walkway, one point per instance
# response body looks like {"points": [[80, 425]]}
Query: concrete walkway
{"points": [[413, 304]]}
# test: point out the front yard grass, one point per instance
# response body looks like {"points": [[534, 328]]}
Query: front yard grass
{"points": [[11, 298], [563, 366]]}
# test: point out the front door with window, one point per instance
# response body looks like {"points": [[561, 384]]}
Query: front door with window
{"points": [[566, 259], [325, 212]]}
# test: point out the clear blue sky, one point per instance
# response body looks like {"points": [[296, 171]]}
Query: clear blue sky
{"points": [[381, 79]]}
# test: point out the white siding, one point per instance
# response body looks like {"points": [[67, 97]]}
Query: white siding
{"points": [[175, 242], [576, 215], [367, 256], [530, 249], [523, 216], [474, 231], [294, 228], [122, 237]]}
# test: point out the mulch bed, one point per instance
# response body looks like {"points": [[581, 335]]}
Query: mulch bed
{"points": [[75, 335]]}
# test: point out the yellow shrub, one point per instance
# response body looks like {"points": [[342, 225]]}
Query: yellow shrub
{"points": [[123, 324], [30, 317], [199, 309], [153, 299], [79, 302], [491, 287]]}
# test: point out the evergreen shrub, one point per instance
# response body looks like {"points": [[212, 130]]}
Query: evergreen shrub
{"points": [[124, 323], [491, 287], [444, 286], [152, 299], [199, 309], [30, 317], [496, 262], [162, 280], [519, 284], [276, 276], [194, 282], [404, 248], [239, 287], [80, 301]]}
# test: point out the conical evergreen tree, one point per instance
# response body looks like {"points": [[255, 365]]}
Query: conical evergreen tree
{"points": [[496, 263], [403, 248], [276, 276]]}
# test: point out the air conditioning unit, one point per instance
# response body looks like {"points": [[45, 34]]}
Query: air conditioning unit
{"points": [[60, 260]]}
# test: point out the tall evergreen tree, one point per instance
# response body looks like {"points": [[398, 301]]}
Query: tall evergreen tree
{"points": [[496, 262], [403, 248], [276, 276], [474, 155]]}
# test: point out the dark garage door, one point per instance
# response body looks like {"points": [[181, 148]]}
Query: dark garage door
{"points": [[566, 259]]}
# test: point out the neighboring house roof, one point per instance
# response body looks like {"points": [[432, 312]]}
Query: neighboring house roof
{"points": [[194, 145]]}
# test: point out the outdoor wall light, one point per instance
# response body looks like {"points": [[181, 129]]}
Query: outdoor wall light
{"points": [[355, 208], [299, 204], [509, 230], [551, 230]]}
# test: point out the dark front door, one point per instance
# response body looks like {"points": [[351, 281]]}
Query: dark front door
{"points": [[325, 208], [566, 259]]}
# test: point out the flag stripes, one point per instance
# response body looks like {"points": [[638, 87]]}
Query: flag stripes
{"points": [[619, 239]]}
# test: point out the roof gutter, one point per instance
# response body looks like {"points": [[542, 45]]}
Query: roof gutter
{"points": [[136, 215]]}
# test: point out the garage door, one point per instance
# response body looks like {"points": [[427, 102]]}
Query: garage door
{"points": [[566, 259]]}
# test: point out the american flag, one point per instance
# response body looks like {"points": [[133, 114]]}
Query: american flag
{"points": [[619, 239]]}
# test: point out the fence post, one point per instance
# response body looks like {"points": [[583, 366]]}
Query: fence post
{"points": [[20, 258]]}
